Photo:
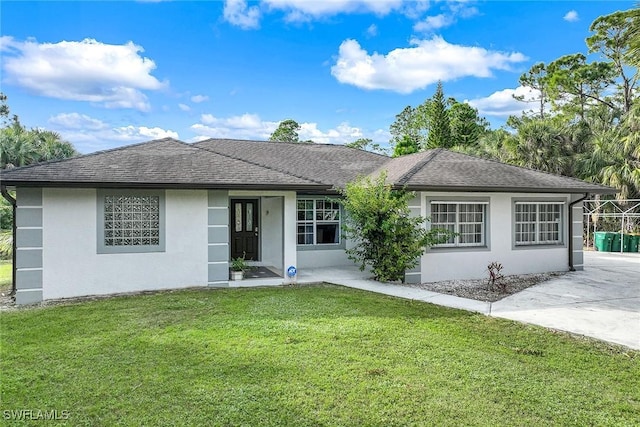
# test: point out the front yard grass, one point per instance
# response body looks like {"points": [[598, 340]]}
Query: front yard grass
{"points": [[305, 356], [5, 276]]}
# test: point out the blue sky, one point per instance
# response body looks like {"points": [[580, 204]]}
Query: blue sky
{"points": [[105, 73]]}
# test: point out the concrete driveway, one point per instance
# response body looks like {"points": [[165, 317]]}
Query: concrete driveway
{"points": [[603, 301]]}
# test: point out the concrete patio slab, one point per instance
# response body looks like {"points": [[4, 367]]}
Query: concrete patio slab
{"points": [[603, 301]]}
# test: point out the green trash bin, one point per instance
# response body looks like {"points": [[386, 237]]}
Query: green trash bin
{"points": [[616, 243], [602, 241], [634, 242], [626, 243]]}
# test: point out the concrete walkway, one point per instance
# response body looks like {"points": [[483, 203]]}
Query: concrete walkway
{"points": [[358, 280], [602, 302]]}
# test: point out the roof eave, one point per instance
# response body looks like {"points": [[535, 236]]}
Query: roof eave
{"points": [[489, 189], [167, 185]]}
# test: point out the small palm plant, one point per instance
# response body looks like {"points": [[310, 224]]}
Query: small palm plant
{"points": [[239, 264], [495, 277], [238, 267]]}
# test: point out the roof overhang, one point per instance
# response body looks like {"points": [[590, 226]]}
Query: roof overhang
{"points": [[167, 185], [555, 190]]}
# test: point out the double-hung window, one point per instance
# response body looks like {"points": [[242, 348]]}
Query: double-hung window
{"points": [[538, 223], [318, 222], [465, 220], [130, 221]]}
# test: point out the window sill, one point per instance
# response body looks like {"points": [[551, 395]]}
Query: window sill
{"points": [[130, 249], [540, 246], [321, 247], [483, 248]]}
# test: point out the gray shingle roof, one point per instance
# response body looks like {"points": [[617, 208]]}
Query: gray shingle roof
{"points": [[333, 165], [164, 162], [224, 163], [440, 169]]}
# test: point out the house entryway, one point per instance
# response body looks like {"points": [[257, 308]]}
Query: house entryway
{"points": [[245, 229], [257, 233]]}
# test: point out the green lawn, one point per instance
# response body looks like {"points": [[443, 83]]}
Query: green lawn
{"points": [[5, 276], [307, 356]]}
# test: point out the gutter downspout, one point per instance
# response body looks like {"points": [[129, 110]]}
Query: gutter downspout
{"points": [[6, 195], [571, 267]]}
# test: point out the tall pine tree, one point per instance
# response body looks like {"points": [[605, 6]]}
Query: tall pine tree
{"points": [[439, 123]]}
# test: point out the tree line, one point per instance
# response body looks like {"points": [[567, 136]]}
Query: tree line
{"points": [[584, 119]]}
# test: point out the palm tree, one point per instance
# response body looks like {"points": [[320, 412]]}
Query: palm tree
{"points": [[613, 157], [17, 147], [51, 146], [20, 146], [542, 145], [629, 155]]}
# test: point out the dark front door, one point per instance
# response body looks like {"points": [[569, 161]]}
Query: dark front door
{"points": [[244, 229]]}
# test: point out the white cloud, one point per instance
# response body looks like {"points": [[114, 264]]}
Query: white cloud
{"points": [[89, 134], [571, 16], [184, 107], [77, 121], [132, 133], [503, 104], [431, 23], [342, 134], [451, 12], [415, 9], [246, 126], [304, 10], [237, 13], [112, 75], [199, 98], [372, 31], [199, 138], [405, 70], [251, 126], [462, 9]]}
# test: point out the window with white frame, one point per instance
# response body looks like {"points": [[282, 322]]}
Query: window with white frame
{"points": [[466, 219], [130, 221], [538, 223], [318, 222]]}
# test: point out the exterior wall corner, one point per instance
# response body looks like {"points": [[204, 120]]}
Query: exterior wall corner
{"points": [[218, 238], [29, 246]]}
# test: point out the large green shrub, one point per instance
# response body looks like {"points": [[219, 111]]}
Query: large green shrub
{"points": [[378, 220]]}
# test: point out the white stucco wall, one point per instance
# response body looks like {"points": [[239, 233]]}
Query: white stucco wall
{"points": [[323, 258], [290, 234], [271, 220], [471, 263], [72, 266]]}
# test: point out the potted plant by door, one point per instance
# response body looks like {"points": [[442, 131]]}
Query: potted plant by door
{"points": [[238, 267]]}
